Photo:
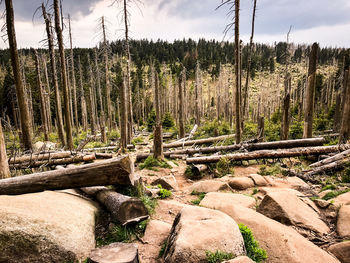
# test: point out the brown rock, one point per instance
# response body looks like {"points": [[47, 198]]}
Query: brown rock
{"points": [[343, 199], [240, 259], [341, 251], [343, 222], [207, 186], [287, 208], [241, 183], [167, 182], [258, 179], [115, 253], [322, 203], [156, 232], [196, 230], [282, 243], [238, 199]]}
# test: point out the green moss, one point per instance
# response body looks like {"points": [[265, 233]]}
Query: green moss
{"points": [[334, 194], [328, 187], [151, 162], [253, 249], [218, 256]]}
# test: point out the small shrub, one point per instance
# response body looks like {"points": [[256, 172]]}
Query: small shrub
{"points": [[168, 121], [270, 170], [137, 140], [163, 193], [149, 202], [218, 256], [151, 120], [334, 194], [328, 187], [345, 178], [255, 190], [152, 162], [223, 167], [254, 252], [250, 130], [189, 173], [162, 249], [199, 199], [113, 135], [296, 130]]}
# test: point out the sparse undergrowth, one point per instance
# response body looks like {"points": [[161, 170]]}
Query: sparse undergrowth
{"points": [[199, 199], [223, 167], [191, 175], [253, 249], [162, 249], [151, 163], [163, 193], [218, 256], [334, 194], [274, 169]]}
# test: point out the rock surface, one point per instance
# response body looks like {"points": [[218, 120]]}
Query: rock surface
{"points": [[287, 208], [241, 183], [282, 243], [228, 198], [341, 251], [207, 186], [46, 227], [343, 199], [343, 222], [167, 182], [240, 259], [258, 179], [115, 253], [156, 232], [196, 230]]}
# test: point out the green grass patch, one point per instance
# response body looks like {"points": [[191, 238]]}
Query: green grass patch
{"points": [[334, 194], [270, 170], [163, 193], [328, 187], [254, 252], [137, 140], [218, 256], [162, 249], [151, 163], [223, 167]]}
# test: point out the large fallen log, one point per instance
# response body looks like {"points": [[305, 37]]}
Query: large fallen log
{"points": [[268, 154], [331, 159], [198, 142], [118, 171], [124, 209], [244, 146], [333, 166], [50, 162], [39, 157]]}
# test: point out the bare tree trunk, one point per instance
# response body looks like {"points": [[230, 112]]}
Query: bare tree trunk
{"points": [[92, 100], [47, 96], [43, 110], [83, 101], [345, 122], [245, 93], [54, 76], [108, 86], [123, 116], [75, 106], [158, 133], [197, 89], [4, 167], [181, 109], [67, 114], [26, 126], [237, 73], [285, 110], [310, 92]]}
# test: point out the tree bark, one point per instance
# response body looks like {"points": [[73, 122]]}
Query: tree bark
{"points": [[181, 107], [158, 133], [4, 167], [310, 92], [26, 126], [261, 129], [39, 157], [125, 209], [267, 154], [286, 106], [123, 116], [345, 122], [54, 76], [331, 159], [83, 101], [108, 172], [67, 112], [244, 146], [198, 142]]}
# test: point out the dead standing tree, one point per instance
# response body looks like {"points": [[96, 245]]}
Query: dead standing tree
{"points": [[158, 134], [59, 117], [310, 92], [67, 114], [4, 167], [26, 125]]}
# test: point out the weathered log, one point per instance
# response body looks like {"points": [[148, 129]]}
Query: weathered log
{"points": [[244, 146], [333, 166], [178, 156], [115, 253], [88, 139], [198, 169], [75, 159], [124, 209], [107, 148], [39, 157], [107, 172], [331, 159], [268, 154], [198, 142], [103, 155]]}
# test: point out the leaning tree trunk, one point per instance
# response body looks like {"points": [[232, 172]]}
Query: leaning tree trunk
{"points": [[67, 114], [158, 133], [237, 73], [26, 126], [4, 167], [59, 117], [345, 123], [310, 92]]}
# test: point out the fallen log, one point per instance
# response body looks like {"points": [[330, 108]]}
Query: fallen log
{"points": [[39, 157], [244, 146], [198, 169], [107, 172], [107, 148], [124, 209], [50, 162], [331, 159], [88, 139], [198, 142], [268, 154], [103, 155], [333, 166]]}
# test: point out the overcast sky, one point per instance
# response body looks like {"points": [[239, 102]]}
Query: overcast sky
{"points": [[324, 21]]}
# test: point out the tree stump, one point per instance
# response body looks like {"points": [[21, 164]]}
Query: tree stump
{"points": [[115, 253]]}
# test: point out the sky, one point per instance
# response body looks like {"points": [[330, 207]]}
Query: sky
{"points": [[323, 21]]}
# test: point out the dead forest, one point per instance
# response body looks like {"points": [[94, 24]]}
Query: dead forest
{"points": [[185, 151]]}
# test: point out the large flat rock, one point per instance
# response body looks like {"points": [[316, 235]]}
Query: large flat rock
{"points": [[46, 227], [343, 222], [230, 198]]}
